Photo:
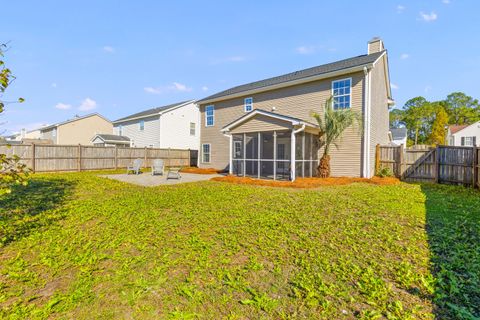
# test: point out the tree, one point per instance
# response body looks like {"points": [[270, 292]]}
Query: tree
{"points": [[462, 109], [12, 171], [418, 118], [437, 135], [396, 118], [332, 124]]}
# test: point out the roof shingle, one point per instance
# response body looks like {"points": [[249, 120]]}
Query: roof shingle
{"points": [[150, 112]]}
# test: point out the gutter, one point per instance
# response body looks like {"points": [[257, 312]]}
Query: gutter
{"points": [[366, 123]]}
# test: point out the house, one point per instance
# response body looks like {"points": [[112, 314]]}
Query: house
{"points": [[110, 140], [78, 130], [464, 135], [265, 129], [171, 126], [398, 136]]}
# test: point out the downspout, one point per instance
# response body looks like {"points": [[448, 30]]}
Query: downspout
{"points": [[292, 152], [230, 160], [366, 123]]}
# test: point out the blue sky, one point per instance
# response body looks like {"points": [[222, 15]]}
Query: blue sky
{"points": [[121, 57]]}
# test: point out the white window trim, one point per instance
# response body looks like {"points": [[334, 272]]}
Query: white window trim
{"points": [[206, 116], [350, 94], [245, 104], [209, 153], [194, 129]]}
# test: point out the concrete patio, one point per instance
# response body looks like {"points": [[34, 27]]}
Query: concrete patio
{"points": [[147, 180]]}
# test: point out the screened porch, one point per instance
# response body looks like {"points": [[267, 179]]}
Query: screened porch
{"points": [[277, 155]]}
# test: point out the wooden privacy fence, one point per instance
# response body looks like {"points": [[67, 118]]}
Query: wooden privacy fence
{"points": [[440, 164], [48, 158]]}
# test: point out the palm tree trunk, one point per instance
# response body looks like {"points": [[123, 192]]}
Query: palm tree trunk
{"points": [[323, 169]]}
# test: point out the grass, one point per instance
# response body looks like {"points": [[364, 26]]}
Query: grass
{"points": [[78, 246]]}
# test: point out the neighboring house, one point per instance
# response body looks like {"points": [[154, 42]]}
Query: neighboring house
{"points": [[399, 136], [110, 140], [28, 137], [78, 130], [265, 128], [173, 126], [464, 135]]}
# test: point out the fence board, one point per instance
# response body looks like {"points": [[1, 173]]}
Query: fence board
{"points": [[49, 158]]}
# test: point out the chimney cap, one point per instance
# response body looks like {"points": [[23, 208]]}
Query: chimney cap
{"points": [[375, 39]]}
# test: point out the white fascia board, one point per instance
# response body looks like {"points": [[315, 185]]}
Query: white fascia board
{"points": [[154, 114]]}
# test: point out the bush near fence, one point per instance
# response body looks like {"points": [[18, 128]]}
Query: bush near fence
{"points": [[50, 158]]}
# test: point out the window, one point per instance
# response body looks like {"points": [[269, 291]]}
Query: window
{"points": [[120, 130], [341, 92], [206, 153], [248, 104], [54, 132], [141, 125], [468, 141], [192, 128], [209, 116], [237, 149]]}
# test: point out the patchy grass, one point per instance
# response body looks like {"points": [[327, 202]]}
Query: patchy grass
{"points": [[307, 183], [88, 247]]}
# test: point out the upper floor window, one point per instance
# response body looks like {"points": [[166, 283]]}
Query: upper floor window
{"points": [[141, 125], [54, 132], [120, 130], [341, 92], [248, 104], [209, 116], [192, 128]]}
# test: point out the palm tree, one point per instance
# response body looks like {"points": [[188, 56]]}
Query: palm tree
{"points": [[332, 123]]}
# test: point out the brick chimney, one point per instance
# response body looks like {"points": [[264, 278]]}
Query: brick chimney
{"points": [[375, 45]]}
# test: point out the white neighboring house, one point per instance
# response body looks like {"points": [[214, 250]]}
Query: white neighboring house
{"points": [[110, 140], [464, 135], [173, 126], [399, 136]]}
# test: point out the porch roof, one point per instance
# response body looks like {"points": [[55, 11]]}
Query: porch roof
{"points": [[291, 120]]}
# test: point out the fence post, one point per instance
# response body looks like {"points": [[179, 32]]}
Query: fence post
{"points": [[474, 168], [377, 158], [145, 157], [437, 163], [79, 157], [33, 157], [401, 160], [116, 157]]}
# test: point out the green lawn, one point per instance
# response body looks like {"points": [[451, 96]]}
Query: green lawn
{"points": [[79, 246]]}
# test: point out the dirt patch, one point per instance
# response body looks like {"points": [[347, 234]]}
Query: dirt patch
{"points": [[305, 183], [200, 170]]}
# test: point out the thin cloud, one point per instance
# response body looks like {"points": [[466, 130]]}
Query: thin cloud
{"points": [[305, 49], [109, 49], [87, 105], [446, 1], [428, 17], [63, 106], [394, 86], [54, 85], [404, 56], [400, 8], [204, 88], [174, 87]]}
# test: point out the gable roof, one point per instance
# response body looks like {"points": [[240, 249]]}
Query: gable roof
{"points": [[153, 111], [305, 74], [455, 128], [111, 138], [398, 133], [73, 120], [251, 114]]}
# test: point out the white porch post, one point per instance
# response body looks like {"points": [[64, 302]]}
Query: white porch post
{"points": [[244, 153], [259, 157], [230, 166], [274, 155], [292, 156]]}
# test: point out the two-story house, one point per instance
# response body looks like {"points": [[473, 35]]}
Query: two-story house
{"points": [[173, 126], [265, 129], [78, 130]]}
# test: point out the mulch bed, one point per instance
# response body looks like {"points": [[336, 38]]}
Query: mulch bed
{"points": [[199, 170], [305, 183]]}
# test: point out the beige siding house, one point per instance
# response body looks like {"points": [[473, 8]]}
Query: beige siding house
{"points": [[265, 129], [78, 130]]}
